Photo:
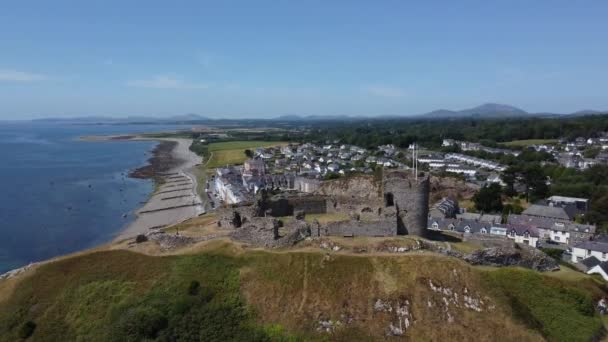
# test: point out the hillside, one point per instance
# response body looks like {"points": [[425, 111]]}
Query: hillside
{"points": [[218, 290], [487, 110]]}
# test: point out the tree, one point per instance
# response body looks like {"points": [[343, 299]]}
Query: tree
{"points": [[509, 176], [488, 198], [536, 182]]}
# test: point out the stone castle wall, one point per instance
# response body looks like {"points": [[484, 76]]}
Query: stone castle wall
{"points": [[358, 228], [288, 205]]}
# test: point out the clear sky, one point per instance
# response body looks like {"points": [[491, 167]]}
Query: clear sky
{"points": [[260, 58]]}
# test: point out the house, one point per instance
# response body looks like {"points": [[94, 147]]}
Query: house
{"points": [[547, 211], [586, 249], [580, 203], [522, 234], [587, 264], [446, 208], [480, 217], [333, 167], [495, 178], [601, 269], [448, 142], [254, 166]]}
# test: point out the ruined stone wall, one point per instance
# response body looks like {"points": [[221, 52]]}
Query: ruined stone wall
{"points": [[411, 199], [287, 205], [357, 228]]}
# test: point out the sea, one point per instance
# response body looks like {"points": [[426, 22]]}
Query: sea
{"points": [[59, 194]]}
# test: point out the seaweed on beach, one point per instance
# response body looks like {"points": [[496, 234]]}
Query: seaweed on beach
{"points": [[162, 160]]}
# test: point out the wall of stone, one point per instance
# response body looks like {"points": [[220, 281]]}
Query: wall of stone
{"points": [[287, 205], [411, 199], [357, 228]]}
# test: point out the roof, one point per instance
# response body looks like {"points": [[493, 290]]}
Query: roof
{"points": [[547, 211], [603, 266], [596, 246], [590, 262], [566, 199], [469, 216], [521, 230]]}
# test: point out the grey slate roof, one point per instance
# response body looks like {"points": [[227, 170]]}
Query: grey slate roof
{"points": [[593, 246], [547, 211], [590, 262]]}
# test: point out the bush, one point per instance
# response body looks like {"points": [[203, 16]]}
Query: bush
{"points": [[141, 238], [555, 253], [140, 323], [194, 288], [27, 329]]}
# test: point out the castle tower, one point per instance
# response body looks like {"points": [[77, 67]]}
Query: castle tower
{"points": [[410, 197]]}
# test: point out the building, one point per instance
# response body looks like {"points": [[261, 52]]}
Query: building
{"points": [[601, 269], [446, 208], [306, 184], [586, 249], [519, 234], [522, 234], [255, 166], [547, 211], [580, 203], [560, 231]]}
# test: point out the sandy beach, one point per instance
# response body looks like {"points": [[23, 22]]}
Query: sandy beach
{"points": [[175, 200]]}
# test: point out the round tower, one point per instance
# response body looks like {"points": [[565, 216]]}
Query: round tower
{"points": [[410, 197]]}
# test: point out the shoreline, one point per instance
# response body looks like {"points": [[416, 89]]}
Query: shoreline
{"points": [[175, 198]]}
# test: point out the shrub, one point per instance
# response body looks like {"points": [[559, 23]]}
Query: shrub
{"points": [[140, 323], [555, 253], [194, 288], [27, 329], [141, 238]]}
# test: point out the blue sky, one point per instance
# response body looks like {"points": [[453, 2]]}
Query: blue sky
{"points": [[267, 58]]}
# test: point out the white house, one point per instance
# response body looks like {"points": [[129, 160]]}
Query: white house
{"points": [[586, 249], [522, 234], [601, 269]]}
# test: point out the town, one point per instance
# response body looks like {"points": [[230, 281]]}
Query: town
{"points": [[553, 222]]}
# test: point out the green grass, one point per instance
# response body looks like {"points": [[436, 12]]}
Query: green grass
{"points": [[233, 152], [123, 296], [560, 310], [223, 294], [327, 217], [528, 142]]}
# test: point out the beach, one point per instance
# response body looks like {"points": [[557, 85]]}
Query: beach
{"points": [[175, 198]]}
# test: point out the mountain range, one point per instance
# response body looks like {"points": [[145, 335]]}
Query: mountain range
{"points": [[484, 111]]}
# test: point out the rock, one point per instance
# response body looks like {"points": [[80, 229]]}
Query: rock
{"points": [[510, 256], [602, 306]]}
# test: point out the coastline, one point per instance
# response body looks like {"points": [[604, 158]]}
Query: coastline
{"points": [[175, 198]]}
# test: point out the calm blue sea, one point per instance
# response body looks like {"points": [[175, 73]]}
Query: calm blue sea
{"points": [[59, 195]]}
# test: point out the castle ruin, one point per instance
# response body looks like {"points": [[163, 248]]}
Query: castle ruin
{"points": [[395, 203]]}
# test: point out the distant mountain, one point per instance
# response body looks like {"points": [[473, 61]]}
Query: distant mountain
{"points": [[315, 117], [128, 119], [588, 112], [488, 110]]}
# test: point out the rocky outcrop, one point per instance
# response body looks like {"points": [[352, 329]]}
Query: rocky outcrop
{"points": [[357, 187], [513, 256]]}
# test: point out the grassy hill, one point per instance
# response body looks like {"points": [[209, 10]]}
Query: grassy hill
{"points": [[224, 292]]}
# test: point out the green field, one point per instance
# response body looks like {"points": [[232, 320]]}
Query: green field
{"points": [[233, 152], [528, 142]]}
